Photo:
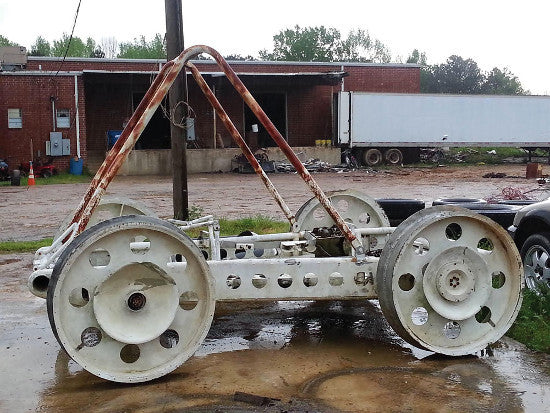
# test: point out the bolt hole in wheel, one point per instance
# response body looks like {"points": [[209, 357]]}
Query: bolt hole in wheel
{"points": [[188, 300], [130, 353], [406, 282], [498, 279], [364, 218], [100, 258], [79, 297], [483, 315], [485, 245], [143, 303], [91, 337], [169, 339], [421, 246], [453, 231], [240, 253], [140, 245], [342, 205], [419, 316], [451, 330], [470, 295]]}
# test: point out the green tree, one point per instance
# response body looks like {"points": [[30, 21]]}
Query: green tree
{"points": [[5, 42], [93, 49], [359, 46], [325, 44], [502, 82], [76, 47], [238, 57], [140, 48], [457, 75], [417, 57], [308, 44], [41, 47]]}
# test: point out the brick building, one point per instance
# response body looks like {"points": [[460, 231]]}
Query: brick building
{"points": [[85, 98]]}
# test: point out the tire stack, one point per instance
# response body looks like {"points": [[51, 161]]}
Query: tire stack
{"points": [[502, 212]]}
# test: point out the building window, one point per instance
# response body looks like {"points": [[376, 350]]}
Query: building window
{"points": [[63, 118], [14, 119]]}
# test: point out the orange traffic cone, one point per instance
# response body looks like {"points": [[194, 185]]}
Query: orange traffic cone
{"points": [[31, 176]]}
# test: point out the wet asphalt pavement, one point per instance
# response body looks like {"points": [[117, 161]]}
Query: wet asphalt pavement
{"points": [[298, 356]]}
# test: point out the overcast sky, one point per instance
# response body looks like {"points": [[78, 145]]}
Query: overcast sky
{"points": [[513, 34]]}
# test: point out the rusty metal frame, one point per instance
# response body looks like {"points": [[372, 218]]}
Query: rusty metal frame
{"points": [[152, 99]]}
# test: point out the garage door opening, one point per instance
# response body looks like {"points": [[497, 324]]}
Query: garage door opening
{"points": [[274, 105], [157, 132]]}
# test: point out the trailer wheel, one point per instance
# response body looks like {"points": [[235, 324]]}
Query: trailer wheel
{"points": [[393, 156], [372, 157]]}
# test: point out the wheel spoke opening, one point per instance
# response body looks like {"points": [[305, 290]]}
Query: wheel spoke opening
{"points": [[169, 339], [130, 353]]}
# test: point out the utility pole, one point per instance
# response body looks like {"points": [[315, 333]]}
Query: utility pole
{"points": [[178, 112]]}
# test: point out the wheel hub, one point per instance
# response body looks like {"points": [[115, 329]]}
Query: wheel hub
{"points": [[456, 283], [137, 303]]}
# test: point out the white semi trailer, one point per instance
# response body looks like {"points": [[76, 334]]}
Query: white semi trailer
{"points": [[382, 127]]}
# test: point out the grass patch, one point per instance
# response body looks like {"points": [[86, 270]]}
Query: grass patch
{"points": [[61, 178], [9, 247], [532, 326], [478, 155], [259, 224]]}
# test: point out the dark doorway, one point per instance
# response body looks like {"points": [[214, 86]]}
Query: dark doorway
{"points": [[274, 105], [157, 132]]}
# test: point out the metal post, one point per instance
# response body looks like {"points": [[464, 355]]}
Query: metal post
{"points": [[178, 110]]}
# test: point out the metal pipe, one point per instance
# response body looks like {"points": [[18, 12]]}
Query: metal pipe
{"points": [[241, 142], [283, 236], [77, 116], [375, 231]]}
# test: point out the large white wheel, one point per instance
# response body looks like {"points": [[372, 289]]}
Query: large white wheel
{"points": [[109, 207], [131, 299], [356, 208], [450, 280]]}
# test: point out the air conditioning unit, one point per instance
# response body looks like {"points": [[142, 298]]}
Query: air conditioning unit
{"points": [[13, 58]]}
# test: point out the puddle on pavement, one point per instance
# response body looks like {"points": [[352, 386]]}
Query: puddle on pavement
{"points": [[315, 356]]}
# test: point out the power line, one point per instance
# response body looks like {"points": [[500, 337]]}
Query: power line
{"points": [[70, 38]]}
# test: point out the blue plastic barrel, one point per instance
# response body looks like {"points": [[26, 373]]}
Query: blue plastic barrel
{"points": [[75, 166]]}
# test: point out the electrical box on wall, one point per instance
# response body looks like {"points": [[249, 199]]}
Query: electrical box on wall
{"points": [[191, 129], [66, 146], [57, 146]]}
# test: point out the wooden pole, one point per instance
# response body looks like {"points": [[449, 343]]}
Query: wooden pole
{"points": [[178, 110]]}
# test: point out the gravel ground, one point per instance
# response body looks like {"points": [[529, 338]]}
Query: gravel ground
{"points": [[30, 213]]}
